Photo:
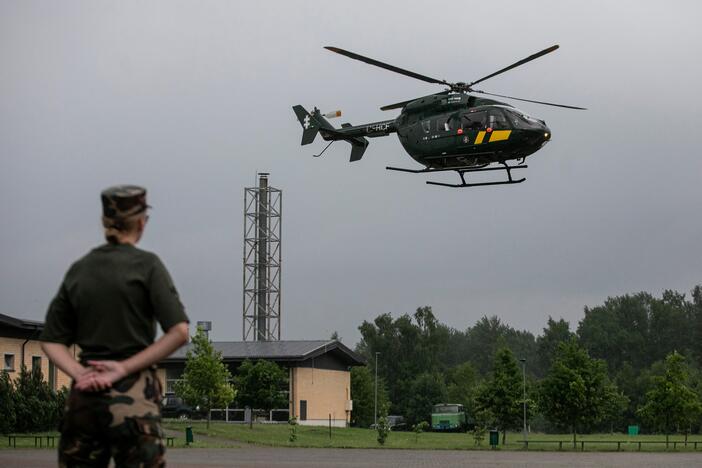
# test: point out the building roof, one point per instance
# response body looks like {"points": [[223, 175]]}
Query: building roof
{"points": [[11, 327], [20, 323], [281, 351]]}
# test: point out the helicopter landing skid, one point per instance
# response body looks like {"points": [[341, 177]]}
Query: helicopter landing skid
{"points": [[463, 170]]}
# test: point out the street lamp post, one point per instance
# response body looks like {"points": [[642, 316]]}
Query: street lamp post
{"points": [[523, 360], [375, 411]]}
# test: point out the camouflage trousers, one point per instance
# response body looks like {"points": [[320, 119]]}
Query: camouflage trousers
{"points": [[123, 422]]}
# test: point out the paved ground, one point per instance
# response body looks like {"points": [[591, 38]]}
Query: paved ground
{"points": [[298, 458]]}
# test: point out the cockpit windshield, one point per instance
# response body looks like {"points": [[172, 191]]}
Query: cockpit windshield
{"points": [[522, 120]]}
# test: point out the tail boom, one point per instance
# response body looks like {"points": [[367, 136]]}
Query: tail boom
{"points": [[314, 123]]}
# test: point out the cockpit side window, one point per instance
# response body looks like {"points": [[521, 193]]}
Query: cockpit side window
{"points": [[497, 120], [426, 125], [474, 120]]}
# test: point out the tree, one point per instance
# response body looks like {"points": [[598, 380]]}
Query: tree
{"points": [[261, 385], [490, 334], [671, 322], [671, 404], [503, 393], [615, 403], [426, 391], [574, 392], [409, 346], [35, 402], [363, 395], [462, 383], [555, 332], [7, 404], [206, 379], [696, 327], [618, 331]]}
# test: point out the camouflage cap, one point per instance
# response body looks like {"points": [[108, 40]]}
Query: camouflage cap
{"points": [[123, 201]]}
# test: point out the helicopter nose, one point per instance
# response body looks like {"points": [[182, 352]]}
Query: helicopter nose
{"points": [[546, 134]]}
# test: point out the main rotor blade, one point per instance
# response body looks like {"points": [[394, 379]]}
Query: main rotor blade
{"points": [[516, 64], [386, 66], [529, 100], [399, 105]]}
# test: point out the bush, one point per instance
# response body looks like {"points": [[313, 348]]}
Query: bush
{"points": [[419, 428], [29, 404], [383, 430], [293, 429]]}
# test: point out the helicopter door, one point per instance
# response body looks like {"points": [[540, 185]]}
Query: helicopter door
{"points": [[443, 133], [473, 126]]}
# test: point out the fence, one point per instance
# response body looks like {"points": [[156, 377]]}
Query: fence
{"points": [[238, 415], [619, 443]]}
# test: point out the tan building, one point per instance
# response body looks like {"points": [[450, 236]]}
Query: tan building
{"points": [[319, 371], [319, 374], [19, 344]]}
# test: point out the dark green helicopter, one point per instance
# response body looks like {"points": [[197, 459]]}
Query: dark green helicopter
{"points": [[447, 131]]}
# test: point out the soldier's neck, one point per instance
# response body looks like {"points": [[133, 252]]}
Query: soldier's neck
{"points": [[132, 238]]}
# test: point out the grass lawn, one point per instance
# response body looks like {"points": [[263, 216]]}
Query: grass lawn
{"points": [[223, 435], [309, 436]]}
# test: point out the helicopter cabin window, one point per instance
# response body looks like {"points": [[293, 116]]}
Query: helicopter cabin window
{"points": [[426, 125], [497, 120], [474, 120], [444, 124]]}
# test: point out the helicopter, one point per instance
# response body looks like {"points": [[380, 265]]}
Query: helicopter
{"points": [[452, 130]]}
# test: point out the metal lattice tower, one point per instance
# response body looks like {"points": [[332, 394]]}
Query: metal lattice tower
{"points": [[262, 227]]}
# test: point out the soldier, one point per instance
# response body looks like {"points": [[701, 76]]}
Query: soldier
{"points": [[108, 305]]}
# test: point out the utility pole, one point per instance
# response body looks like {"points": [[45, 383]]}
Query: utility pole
{"points": [[523, 360], [375, 411]]}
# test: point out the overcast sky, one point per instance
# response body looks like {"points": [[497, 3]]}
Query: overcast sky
{"points": [[191, 99]]}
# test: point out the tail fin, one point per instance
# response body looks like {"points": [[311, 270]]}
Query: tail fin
{"points": [[358, 147], [311, 123]]}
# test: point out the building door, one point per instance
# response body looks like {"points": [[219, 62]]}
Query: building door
{"points": [[303, 410]]}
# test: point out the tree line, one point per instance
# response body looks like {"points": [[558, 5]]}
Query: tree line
{"points": [[634, 360]]}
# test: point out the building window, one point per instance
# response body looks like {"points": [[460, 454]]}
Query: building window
{"points": [[36, 363], [9, 362], [303, 410], [170, 385], [52, 375]]}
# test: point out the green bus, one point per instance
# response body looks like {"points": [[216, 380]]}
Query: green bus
{"points": [[448, 417]]}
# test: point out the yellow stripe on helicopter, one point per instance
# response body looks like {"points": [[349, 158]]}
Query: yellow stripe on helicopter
{"points": [[499, 135], [479, 138]]}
